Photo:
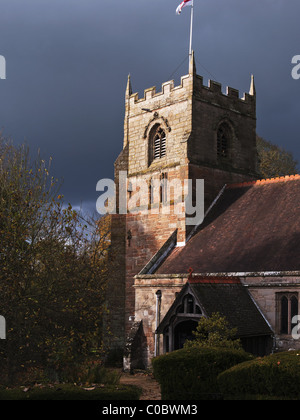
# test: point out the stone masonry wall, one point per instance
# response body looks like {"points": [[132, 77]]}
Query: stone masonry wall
{"points": [[210, 108], [145, 307], [264, 291]]}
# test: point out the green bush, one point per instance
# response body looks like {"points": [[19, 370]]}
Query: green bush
{"points": [[277, 375], [191, 373], [214, 331]]}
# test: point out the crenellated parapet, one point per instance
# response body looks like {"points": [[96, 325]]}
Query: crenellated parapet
{"points": [[154, 99], [230, 99], [192, 85]]}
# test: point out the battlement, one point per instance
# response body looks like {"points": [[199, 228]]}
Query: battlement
{"points": [[193, 84], [214, 89], [166, 89]]}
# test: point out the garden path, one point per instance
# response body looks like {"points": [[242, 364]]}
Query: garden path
{"points": [[146, 381]]}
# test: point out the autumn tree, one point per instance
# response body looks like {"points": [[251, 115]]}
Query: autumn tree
{"points": [[274, 161], [53, 271]]}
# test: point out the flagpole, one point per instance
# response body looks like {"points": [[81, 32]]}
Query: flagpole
{"points": [[191, 30]]}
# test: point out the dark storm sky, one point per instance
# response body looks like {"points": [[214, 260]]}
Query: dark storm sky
{"points": [[68, 61]]}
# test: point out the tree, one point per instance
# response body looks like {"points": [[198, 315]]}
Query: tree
{"points": [[53, 270], [214, 332], [274, 161]]}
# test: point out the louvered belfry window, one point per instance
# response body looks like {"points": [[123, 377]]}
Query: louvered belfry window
{"points": [[223, 140], [159, 144]]}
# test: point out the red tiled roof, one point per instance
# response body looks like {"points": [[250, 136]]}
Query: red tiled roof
{"points": [[253, 227], [265, 181]]}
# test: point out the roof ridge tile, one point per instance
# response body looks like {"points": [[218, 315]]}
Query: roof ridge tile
{"points": [[264, 181]]}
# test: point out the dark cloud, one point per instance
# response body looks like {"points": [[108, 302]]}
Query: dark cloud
{"points": [[67, 67]]}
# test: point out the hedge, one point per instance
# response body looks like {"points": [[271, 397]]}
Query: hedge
{"points": [[191, 374], [277, 375]]}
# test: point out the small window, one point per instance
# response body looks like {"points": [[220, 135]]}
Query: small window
{"points": [[164, 188], [151, 193], [180, 309], [223, 140], [198, 310], [158, 189]]}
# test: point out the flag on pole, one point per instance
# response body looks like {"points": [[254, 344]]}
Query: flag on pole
{"points": [[182, 5]]}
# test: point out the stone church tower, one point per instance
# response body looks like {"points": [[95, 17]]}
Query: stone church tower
{"points": [[190, 131]]}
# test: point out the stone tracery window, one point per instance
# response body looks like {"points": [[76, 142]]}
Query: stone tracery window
{"points": [[188, 306]]}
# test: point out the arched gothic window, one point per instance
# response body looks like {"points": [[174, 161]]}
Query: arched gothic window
{"points": [[224, 135], [287, 304], [158, 144]]}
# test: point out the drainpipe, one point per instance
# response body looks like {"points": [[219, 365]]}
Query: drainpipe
{"points": [[157, 321]]}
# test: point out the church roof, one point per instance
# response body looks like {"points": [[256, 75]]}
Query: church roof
{"points": [[228, 297], [253, 227]]}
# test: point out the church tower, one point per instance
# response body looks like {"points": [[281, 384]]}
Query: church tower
{"points": [[190, 131]]}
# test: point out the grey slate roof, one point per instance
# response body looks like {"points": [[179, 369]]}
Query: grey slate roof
{"points": [[232, 300]]}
